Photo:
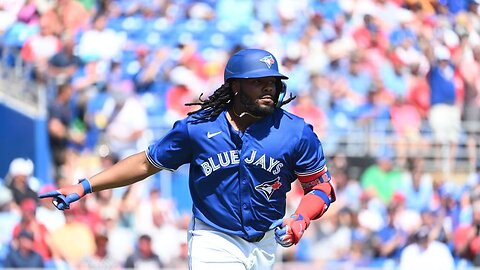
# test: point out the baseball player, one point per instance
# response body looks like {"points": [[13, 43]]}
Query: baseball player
{"points": [[244, 153]]}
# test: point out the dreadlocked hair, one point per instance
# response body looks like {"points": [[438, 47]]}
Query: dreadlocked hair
{"points": [[292, 97], [216, 103], [211, 107]]}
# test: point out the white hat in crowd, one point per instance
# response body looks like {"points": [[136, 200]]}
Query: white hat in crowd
{"points": [[21, 166], [441, 53]]}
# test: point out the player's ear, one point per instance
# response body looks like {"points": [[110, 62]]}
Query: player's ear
{"points": [[235, 86]]}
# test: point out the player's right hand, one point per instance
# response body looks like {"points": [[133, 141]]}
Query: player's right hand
{"points": [[64, 196], [288, 231]]}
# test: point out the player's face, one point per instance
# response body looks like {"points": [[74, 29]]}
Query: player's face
{"points": [[257, 95]]}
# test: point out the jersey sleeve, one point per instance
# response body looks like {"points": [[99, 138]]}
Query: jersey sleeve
{"points": [[309, 156], [173, 150], [313, 175]]}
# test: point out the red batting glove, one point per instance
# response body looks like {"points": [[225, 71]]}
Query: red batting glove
{"points": [[288, 231]]}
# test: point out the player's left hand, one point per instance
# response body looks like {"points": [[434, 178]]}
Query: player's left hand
{"points": [[288, 231]]}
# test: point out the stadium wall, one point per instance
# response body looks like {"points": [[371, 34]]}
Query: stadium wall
{"points": [[24, 136]]}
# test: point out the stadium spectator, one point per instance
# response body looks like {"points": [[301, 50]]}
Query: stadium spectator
{"points": [[99, 42], [165, 230], [76, 232], [472, 16], [63, 65], [360, 253], [374, 112], [472, 184], [19, 181], [444, 114], [129, 202], [269, 38], [389, 241], [121, 239], [405, 219], [425, 253], [359, 80], [406, 123], [144, 257], [38, 49], [89, 6], [29, 223], [418, 93], [394, 76], [62, 133], [343, 102], [181, 92], [9, 217], [89, 84], [382, 178], [402, 34], [29, 13], [469, 69], [467, 238], [153, 211], [156, 216], [371, 211], [24, 255], [305, 107], [332, 239], [88, 215], [320, 91], [291, 64], [465, 207], [149, 71], [127, 123], [348, 189], [100, 259], [433, 222], [105, 204], [417, 186], [66, 17], [8, 13], [116, 79], [90, 79], [370, 34]]}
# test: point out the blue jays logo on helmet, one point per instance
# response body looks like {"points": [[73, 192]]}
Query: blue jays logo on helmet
{"points": [[252, 63], [268, 60], [268, 188]]}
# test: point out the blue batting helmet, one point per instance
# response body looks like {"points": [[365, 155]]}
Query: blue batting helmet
{"points": [[252, 63]]}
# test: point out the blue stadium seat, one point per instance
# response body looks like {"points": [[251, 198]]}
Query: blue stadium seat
{"points": [[115, 23]]}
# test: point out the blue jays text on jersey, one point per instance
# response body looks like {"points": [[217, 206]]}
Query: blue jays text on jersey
{"points": [[227, 158], [238, 181]]}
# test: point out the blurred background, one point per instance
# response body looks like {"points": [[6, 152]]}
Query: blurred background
{"points": [[391, 88]]}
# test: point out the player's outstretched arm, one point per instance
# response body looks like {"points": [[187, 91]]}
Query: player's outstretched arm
{"points": [[127, 171]]}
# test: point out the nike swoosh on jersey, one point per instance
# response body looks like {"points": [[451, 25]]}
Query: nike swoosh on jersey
{"points": [[211, 135]]}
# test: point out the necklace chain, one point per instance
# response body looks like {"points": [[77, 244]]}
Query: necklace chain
{"points": [[243, 114]]}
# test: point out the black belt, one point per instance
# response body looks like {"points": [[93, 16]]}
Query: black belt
{"points": [[254, 238]]}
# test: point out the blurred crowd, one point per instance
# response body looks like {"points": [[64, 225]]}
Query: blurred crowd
{"points": [[111, 70], [107, 230]]}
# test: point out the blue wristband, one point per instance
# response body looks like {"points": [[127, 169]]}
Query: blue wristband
{"points": [[86, 185], [322, 195]]}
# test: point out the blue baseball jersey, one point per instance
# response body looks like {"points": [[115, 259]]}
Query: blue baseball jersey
{"points": [[238, 181]]}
